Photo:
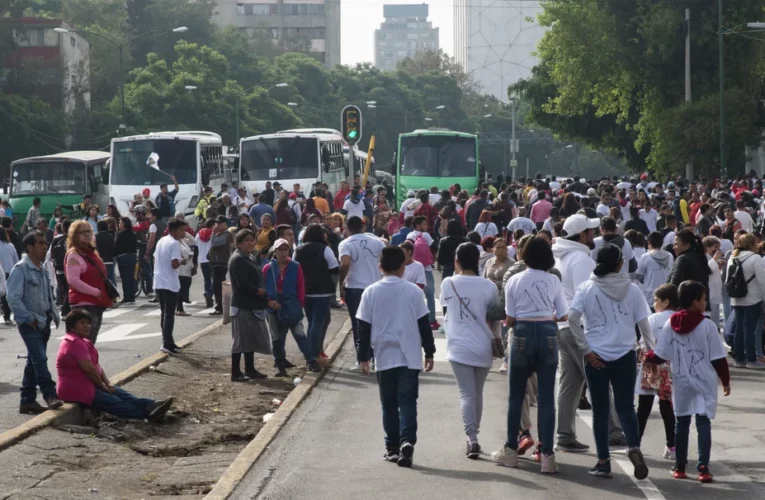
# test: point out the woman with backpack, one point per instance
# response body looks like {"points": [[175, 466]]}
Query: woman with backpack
{"points": [[745, 283]]}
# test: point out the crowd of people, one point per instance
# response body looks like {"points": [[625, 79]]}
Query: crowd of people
{"points": [[608, 287]]}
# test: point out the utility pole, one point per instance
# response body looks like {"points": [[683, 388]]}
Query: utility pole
{"points": [[689, 167], [237, 122], [513, 148], [723, 160]]}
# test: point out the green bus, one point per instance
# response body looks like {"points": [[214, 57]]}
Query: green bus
{"points": [[62, 178], [442, 158]]}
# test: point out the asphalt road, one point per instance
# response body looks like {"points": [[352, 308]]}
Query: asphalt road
{"points": [[128, 334]]}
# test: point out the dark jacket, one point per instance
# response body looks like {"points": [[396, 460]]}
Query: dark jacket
{"points": [[318, 277], [474, 211], [690, 266], [105, 246], [126, 242], [16, 239], [447, 248], [638, 225], [220, 249], [246, 280]]}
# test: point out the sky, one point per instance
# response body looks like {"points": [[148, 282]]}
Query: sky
{"points": [[360, 18]]}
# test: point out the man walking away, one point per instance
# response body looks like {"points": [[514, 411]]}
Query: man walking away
{"points": [[220, 252], [31, 300], [399, 362], [167, 283], [359, 268]]}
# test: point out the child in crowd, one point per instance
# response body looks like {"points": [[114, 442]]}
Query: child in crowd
{"points": [[654, 267], [655, 380], [696, 356]]}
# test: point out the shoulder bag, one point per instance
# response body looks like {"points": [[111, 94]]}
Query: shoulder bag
{"points": [[497, 346], [111, 288]]}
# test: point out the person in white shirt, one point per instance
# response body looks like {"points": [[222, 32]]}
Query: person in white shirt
{"points": [[485, 226], [748, 308], [167, 260], [603, 207], [410, 198], [654, 267], [522, 222], [534, 299], [393, 320], [354, 206], [204, 243], [424, 249], [741, 215], [611, 306], [359, 268], [649, 215], [716, 259], [467, 297], [415, 272]]}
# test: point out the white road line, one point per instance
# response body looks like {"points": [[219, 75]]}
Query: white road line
{"points": [[122, 332], [205, 312], [113, 313], [649, 489], [154, 313]]}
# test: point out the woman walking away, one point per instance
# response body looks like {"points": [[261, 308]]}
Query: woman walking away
{"points": [[248, 309], [467, 297], [611, 306], [125, 248], [447, 247], [534, 300], [185, 271], [105, 247], [746, 286], [86, 275], [695, 352]]}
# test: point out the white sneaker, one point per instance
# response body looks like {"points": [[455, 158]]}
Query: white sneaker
{"points": [[755, 365], [726, 346], [356, 368], [505, 457], [548, 464], [503, 368], [669, 454]]}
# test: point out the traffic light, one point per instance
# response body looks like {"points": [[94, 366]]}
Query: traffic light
{"points": [[350, 122]]}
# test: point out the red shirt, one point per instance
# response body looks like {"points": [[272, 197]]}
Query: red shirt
{"points": [[73, 385], [431, 213], [340, 199]]}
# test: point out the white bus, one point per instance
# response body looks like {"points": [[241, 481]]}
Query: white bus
{"points": [[292, 158], [191, 157]]}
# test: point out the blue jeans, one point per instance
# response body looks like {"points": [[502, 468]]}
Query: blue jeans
{"points": [[534, 348], [758, 335], [147, 270], [704, 431], [316, 311], [746, 324], [110, 272], [399, 389], [726, 305], [126, 264], [36, 371], [430, 294], [620, 374], [279, 338], [352, 300], [207, 275], [121, 404]]}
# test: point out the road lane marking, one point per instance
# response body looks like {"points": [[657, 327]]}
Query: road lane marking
{"points": [[122, 332], [205, 312], [113, 313]]}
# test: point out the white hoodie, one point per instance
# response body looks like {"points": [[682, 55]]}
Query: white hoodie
{"points": [[573, 261], [654, 268]]}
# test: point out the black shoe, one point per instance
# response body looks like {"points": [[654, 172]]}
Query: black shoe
{"points": [[255, 375], [335, 305], [240, 378], [620, 441], [281, 373], [636, 457], [209, 302], [286, 364], [584, 404], [216, 313], [33, 408], [313, 366], [172, 350], [601, 470], [155, 300], [473, 451], [159, 408], [391, 456], [407, 452]]}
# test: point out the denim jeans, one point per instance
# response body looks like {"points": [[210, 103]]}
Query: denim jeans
{"points": [[121, 404], [147, 270], [36, 371], [726, 305], [279, 338], [168, 301], [207, 276], [430, 294], [534, 348], [704, 431], [352, 300], [126, 265], [316, 311], [399, 389], [621, 375], [110, 272], [746, 324], [4, 304]]}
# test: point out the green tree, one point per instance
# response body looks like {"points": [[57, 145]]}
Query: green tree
{"points": [[30, 128]]}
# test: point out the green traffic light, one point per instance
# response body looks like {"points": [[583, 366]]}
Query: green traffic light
{"points": [[352, 134]]}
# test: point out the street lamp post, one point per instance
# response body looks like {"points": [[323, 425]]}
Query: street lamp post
{"points": [[121, 49]]}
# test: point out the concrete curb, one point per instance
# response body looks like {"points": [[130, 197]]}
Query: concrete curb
{"points": [[252, 452], [72, 413]]}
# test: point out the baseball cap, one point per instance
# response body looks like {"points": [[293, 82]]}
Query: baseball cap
{"points": [[146, 192], [221, 218], [280, 242], [643, 177], [670, 184], [277, 183], [410, 194], [293, 196], [578, 223], [591, 192], [208, 189]]}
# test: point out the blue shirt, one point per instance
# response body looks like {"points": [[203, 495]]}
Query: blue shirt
{"points": [[400, 236], [29, 294], [257, 211]]}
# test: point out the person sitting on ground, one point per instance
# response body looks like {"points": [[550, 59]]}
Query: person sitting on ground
{"points": [[82, 380]]}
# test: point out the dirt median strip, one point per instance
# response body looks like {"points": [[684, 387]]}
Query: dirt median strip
{"points": [[248, 456], [70, 414]]}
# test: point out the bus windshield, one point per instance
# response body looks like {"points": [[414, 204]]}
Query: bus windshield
{"points": [[438, 156], [279, 158], [48, 178], [177, 157]]}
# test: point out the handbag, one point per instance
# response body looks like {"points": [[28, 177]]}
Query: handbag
{"points": [[290, 313], [497, 346], [496, 312], [111, 288]]}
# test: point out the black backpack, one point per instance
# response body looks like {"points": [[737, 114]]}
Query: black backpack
{"points": [[58, 253], [735, 283]]}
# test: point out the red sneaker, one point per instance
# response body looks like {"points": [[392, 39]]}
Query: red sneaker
{"points": [[525, 443], [435, 325], [704, 475], [678, 473]]}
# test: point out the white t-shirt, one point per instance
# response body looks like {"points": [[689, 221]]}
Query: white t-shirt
{"points": [[623, 185], [428, 239], [165, 277], [524, 223], [415, 273], [364, 252], [204, 249], [625, 210], [747, 224], [535, 294], [715, 282], [690, 356], [726, 245], [468, 337], [649, 218], [392, 306], [603, 210], [405, 207], [554, 185], [609, 326], [486, 229], [354, 209], [669, 239], [434, 198]]}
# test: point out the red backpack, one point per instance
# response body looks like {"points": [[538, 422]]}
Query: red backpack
{"points": [[422, 253]]}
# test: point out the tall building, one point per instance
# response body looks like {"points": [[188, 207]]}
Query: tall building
{"points": [[310, 24], [495, 40], [405, 32]]}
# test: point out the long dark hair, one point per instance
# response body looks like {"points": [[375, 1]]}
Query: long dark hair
{"points": [[696, 246], [467, 256]]}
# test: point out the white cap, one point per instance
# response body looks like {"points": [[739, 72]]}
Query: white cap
{"points": [[591, 192], [410, 194], [578, 223]]}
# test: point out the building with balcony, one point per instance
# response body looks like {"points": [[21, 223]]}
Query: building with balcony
{"points": [[404, 32]]}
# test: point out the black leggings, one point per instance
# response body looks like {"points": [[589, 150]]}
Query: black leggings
{"points": [[645, 404]]}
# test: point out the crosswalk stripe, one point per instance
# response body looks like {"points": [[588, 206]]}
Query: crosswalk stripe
{"points": [[113, 313], [205, 312], [122, 332]]}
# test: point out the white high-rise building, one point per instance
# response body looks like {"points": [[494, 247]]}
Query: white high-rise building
{"points": [[495, 40]]}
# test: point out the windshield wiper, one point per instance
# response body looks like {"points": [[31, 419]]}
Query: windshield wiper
{"points": [[265, 145], [403, 155], [448, 145]]}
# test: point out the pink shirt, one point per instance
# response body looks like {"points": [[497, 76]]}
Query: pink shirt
{"points": [[540, 211], [73, 384]]}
